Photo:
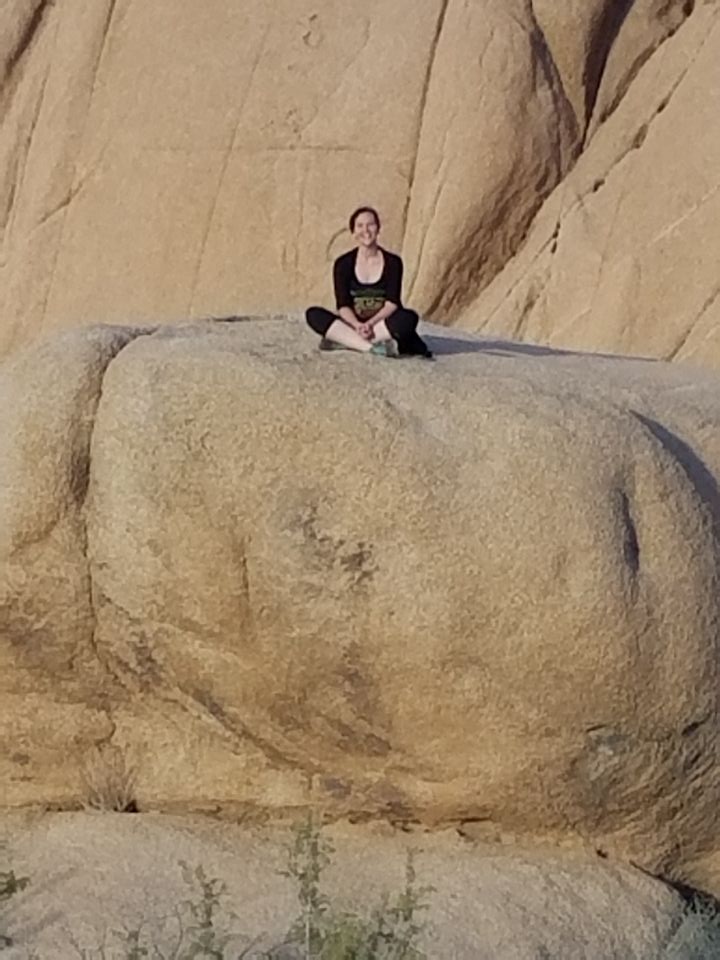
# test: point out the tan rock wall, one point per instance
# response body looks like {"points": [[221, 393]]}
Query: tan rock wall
{"points": [[623, 256], [579, 36], [646, 24], [493, 141], [51, 691], [162, 160]]}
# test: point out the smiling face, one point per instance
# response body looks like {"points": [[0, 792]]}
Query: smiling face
{"points": [[366, 229]]}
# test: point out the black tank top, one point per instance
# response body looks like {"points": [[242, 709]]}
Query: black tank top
{"points": [[366, 299]]}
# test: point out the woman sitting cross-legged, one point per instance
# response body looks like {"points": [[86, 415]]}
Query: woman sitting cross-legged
{"points": [[368, 285]]}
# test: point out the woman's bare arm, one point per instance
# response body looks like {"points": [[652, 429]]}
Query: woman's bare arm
{"points": [[385, 311], [348, 315]]}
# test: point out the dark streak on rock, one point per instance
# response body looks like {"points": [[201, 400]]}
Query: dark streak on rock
{"points": [[694, 726], [356, 738], [356, 559], [604, 36], [555, 238], [698, 474], [640, 136], [235, 726], [631, 545], [26, 39], [145, 667], [79, 476], [338, 788], [359, 563]]}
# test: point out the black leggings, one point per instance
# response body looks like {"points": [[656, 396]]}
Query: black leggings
{"points": [[402, 326]]}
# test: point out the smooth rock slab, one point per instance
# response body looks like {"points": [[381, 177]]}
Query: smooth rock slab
{"points": [[91, 875]]}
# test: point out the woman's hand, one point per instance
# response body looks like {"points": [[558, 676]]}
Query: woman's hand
{"points": [[366, 330]]}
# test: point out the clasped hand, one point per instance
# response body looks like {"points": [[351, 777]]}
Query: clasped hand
{"points": [[366, 330]]}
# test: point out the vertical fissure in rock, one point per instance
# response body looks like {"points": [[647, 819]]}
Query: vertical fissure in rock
{"points": [[604, 36], [440, 23], [25, 41], [82, 466], [631, 544]]}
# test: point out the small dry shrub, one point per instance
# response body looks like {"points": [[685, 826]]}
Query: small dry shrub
{"points": [[109, 780]]}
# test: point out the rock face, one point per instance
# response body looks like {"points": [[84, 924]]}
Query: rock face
{"points": [[48, 398], [491, 598], [484, 902], [623, 255], [158, 160]]}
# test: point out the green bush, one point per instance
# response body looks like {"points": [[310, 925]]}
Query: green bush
{"points": [[698, 934], [204, 941], [196, 931], [200, 928], [9, 886], [322, 932]]}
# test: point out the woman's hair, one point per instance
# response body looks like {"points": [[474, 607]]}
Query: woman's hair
{"points": [[356, 213]]}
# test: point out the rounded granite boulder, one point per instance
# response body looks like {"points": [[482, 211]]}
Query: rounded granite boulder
{"points": [[481, 591]]}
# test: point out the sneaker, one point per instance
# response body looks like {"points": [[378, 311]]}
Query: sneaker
{"points": [[326, 344], [387, 348], [415, 346], [427, 355]]}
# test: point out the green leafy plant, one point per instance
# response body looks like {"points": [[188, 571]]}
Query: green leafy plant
{"points": [[322, 932], [125, 944], [193, 932], [308, 855], [205, 942], [199, 928], [133, 944], [9, 886]]}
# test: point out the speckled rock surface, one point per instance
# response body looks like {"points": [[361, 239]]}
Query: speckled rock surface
{"points": [[483, 589], [94, 874]]}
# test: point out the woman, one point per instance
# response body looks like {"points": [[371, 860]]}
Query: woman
{"points": [[368, 282]]}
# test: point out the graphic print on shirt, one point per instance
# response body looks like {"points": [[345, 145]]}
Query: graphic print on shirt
{"points": [[367, 299]]}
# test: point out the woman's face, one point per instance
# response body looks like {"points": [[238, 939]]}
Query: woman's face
{"points": [[366, 229]]}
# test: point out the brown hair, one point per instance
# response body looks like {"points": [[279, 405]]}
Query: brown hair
{"points": [[356, 213]]}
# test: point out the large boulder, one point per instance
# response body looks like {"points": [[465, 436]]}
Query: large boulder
{"points": [[51, 689], [623, 256], [483, 590], [169, 160], [474, 901]]}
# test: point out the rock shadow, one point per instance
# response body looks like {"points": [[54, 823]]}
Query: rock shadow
{"points": [[508, 348], [696, 470], [451, 345], [604, 36]]}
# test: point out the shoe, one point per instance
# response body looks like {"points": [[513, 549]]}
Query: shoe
{"points": [[387, 348], [326, 344], [415, 346], [426, 355]]}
